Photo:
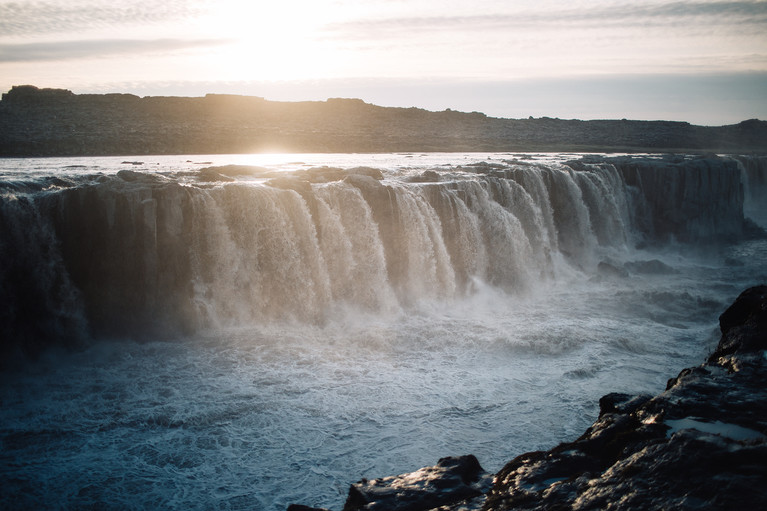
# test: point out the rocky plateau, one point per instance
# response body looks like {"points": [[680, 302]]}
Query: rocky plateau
{"points": [[57, 122]]}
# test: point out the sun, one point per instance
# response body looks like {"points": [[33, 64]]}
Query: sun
{"points": [[271, 41]]}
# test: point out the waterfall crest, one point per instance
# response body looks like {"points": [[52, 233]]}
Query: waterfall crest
{"points": [[135, 253]]}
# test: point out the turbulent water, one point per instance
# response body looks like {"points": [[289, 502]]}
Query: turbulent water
{"points": [[243, 332]]}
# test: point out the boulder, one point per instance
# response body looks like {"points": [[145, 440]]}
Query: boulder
{"points": [[743, 325], [450, 482]]}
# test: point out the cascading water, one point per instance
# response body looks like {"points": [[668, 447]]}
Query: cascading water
{"points": [[254, 335], [754, 179], [146, 252]]}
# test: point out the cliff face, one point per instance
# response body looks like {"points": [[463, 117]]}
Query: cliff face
{"points": [[683, 200], [54, 122]]}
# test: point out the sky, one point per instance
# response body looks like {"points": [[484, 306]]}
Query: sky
{"points": [[701, 61]]}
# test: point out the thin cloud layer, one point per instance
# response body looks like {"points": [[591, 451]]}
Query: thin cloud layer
{"points": [[750, 16], [67, 50], [88, 44], [31, 18]]}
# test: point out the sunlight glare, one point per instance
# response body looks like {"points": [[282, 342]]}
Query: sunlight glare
{"points": [[274, 41]]}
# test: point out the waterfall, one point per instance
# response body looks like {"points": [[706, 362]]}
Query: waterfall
{"points": [[754, 178], [141, 254]]}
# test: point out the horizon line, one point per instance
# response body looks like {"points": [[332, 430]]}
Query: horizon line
{"points": [[35, 88]]}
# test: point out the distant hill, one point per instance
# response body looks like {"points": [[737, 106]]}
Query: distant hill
{"points": [[57, 122]]}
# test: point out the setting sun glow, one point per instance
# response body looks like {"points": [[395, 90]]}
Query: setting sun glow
{"points": [[276, 41], [702, 61]]}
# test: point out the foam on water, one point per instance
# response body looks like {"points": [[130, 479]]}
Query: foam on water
{"points": [[460, 354], [261, 417], [731, 431]]}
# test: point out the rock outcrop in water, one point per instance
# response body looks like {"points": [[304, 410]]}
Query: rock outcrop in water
{"points": [[701, 444], [56, 122], [454, 480]]}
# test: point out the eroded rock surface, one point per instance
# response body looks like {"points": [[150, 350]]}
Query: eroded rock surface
{"points": [[453, 483]]}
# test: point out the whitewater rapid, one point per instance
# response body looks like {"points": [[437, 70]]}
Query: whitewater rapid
{"points": [[228, 332]]}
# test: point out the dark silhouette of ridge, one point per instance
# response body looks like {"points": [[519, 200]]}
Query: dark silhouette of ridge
{"points": [[57, 122]]}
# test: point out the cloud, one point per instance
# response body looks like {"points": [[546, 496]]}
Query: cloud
{"points": [[755, 10], [66, 50], [750, 15], [29, 18]]}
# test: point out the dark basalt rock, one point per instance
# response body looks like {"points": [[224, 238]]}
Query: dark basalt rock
{"points": [[451, 482], [701, 444], [743, 324]]}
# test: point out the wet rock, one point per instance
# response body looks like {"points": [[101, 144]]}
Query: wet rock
{"points": [[427, 176], [131, 176], [322, 174], [744, 324], [621, 403], [668, 187], [210, 175], [366, 171], [452, 481]]}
